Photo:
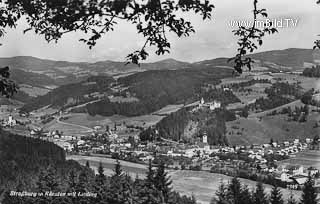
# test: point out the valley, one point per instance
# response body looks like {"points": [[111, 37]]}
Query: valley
{"points": [[197, 117]]}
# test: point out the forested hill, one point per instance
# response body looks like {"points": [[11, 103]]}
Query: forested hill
{"points": [[39, 80], [185, 125], [156, 89], [22, 159], [71, 94], [175, 86]]}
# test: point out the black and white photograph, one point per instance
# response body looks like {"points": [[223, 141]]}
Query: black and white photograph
{"points": [[159, 102]]}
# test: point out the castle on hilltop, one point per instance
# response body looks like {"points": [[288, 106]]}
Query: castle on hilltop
{"points": [[211, 105]]}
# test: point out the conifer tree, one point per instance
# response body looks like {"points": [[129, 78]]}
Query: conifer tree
{"points": [[47, 180], [221, 194], [309, 195], [72, 181], [234, 191], [276, 196], [147, 192], [117, 169], [120, 190], [163, 182], [82, 185], [87, 164], [291, 200], [100, 185], [245, 196], [100, 177], [150, 173], [259, 195]]}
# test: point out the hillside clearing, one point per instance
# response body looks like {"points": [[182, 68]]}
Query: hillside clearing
{"points": [[255, 131]]}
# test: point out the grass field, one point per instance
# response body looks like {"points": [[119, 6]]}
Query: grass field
{"points": [[255, 131], [66, 128], [232, 80], [168, 109], [305, 82], [91, 121], [33, 91], [246, 98], [132, 169], [307, 159]]}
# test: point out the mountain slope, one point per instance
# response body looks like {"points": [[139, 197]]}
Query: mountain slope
{"points": [[72, 94], [289, 59], [292, 57], [151, 90], [63, 72]]}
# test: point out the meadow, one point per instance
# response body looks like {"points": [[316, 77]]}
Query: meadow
{"points": [[307, 159], [253, 130], [108, 164], [91, 121]]}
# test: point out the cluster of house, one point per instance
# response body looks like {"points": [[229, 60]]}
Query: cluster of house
{"points": [[199, 153], [295, 175], [92, 144]]}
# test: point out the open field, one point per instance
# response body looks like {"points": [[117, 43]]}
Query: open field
{"points": [[233, 80], [305, 82], [43, 111], [87, 120], [132, 169], [82, 123], [204, 184], [247, 98], [255, 131], [168, 109], [91, 121], [121, 99], [307, 159], [67, 129], [33, 91]]}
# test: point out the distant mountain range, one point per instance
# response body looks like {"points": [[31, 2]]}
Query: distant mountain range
{"points": [[48, 74], [291, 59], [63, 72]]}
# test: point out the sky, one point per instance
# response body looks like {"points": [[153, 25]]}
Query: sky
{"points": [[212, 39]]}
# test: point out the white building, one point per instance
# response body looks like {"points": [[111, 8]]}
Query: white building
{"points": [[65, 145], [11, 121], [205, 138], [214, 105]]}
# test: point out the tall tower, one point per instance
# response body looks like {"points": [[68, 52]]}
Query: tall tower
{"points": [[202, 101], [205, 138]]}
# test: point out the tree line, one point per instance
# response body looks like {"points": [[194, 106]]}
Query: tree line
{"points": [[236, 193], [155, 188], [119, 188], [312, 72]]}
